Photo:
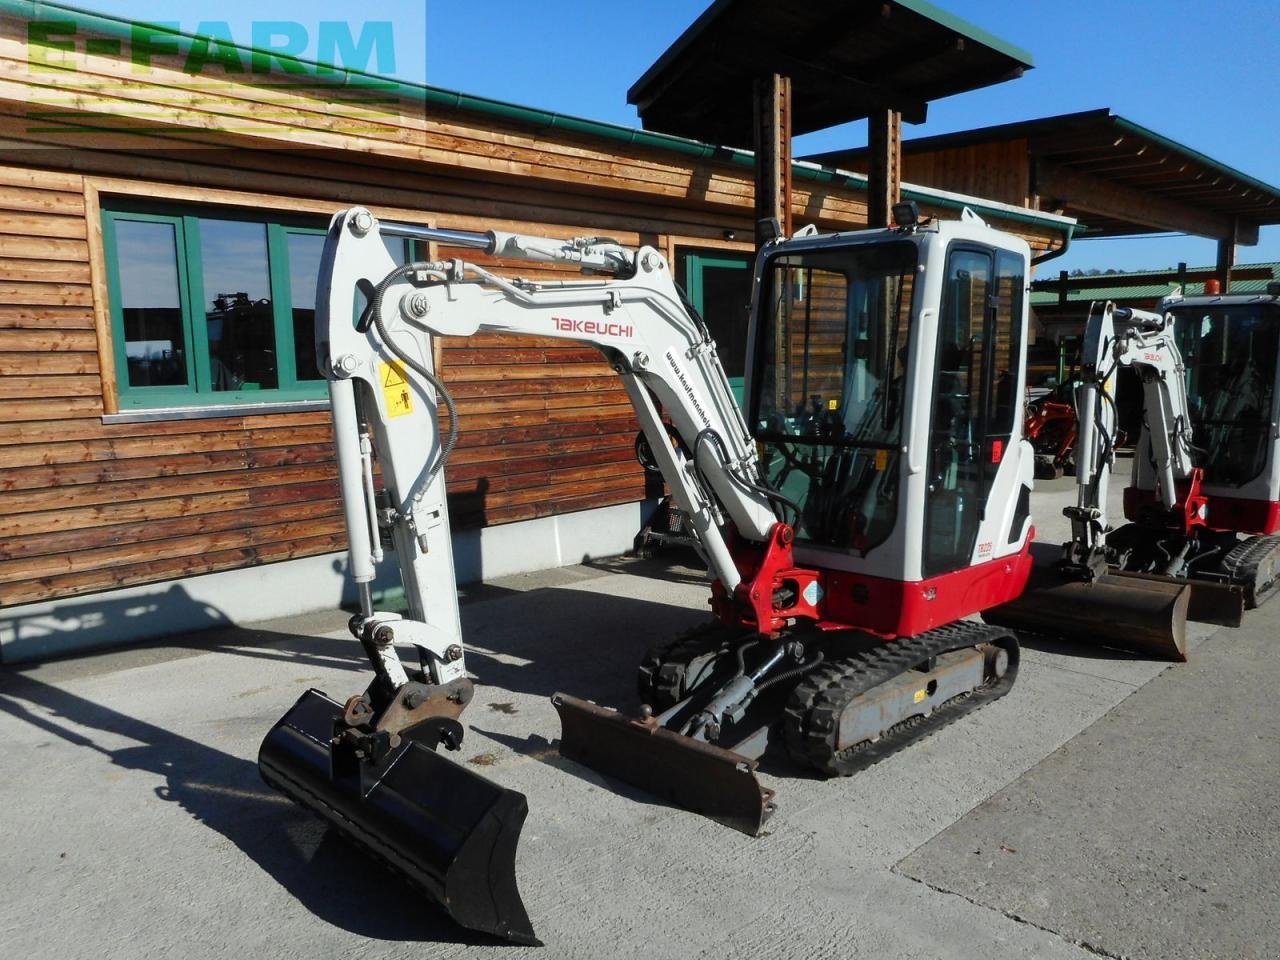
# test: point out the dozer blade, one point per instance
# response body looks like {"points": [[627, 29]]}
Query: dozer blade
{"points": [[693, 774], [1146, 616], [1221, 604], [452, 832]]}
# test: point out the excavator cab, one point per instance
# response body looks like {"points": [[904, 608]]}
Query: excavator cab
{"points": [[1230, 351], [884, 397]]}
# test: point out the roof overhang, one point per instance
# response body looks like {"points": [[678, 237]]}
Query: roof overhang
{"points": [[1117, 177], [845, 61]]}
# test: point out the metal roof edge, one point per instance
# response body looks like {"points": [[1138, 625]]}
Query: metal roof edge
{"points": [[921, 7], [1017, 128], [1208, 161], [971, 30]]}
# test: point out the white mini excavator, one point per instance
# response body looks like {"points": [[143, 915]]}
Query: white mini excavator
{"points": [[1205, 470], [873, 494]]}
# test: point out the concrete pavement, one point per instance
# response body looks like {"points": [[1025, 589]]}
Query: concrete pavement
{"points": [[135, 824]]}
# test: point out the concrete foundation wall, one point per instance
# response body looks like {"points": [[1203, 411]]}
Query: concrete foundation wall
{"points": [[118, 617]]}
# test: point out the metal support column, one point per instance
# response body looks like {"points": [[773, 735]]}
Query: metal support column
{"points": [[884, 170], [772, 96], [1226, 259]]}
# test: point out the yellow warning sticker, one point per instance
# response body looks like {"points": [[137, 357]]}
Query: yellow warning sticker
{"points": [[833, 404], [882, 459], [396, 390], [920, 695]]}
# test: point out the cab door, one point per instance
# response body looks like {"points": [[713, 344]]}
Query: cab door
{"points": [[975, 398]]}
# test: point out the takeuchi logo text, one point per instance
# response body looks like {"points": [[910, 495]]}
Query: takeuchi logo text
{"points": [[593, 327]]}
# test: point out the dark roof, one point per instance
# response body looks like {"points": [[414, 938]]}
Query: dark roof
{"points": [[1101, 144], [845, 60]]}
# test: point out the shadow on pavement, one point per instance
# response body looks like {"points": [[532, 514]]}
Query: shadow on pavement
{"points": [[581, 642], [332, 878], [675, 566]]}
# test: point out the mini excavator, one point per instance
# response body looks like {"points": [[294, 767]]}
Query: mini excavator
{"points": [[1205, 471], [871, 496]]}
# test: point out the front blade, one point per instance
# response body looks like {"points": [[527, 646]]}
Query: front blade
{"points": [[1146, 616], [693, 774], [452, 832]]}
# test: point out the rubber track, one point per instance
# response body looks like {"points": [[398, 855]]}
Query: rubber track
{"points": [[1241, 566], [660, 679], [811, 721]]}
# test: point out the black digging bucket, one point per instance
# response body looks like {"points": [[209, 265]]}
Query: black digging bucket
{"points": [[452, 832]]}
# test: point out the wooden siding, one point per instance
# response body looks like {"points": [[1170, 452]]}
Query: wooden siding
{"points": [[995, 171], [87, 505]]}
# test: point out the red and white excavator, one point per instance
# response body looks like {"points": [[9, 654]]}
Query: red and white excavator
{"points": [[873, 495], [1231, 349], [1206, 470]]}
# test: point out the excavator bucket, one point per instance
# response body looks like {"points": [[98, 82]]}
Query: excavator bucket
{"points": [[452, 832], [693, 774], [1144, 615]]}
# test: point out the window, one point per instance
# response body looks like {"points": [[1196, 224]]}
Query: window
{"points": [[832, 351], [976, 398], [718, 284], [1230, 356], [211, 306]]}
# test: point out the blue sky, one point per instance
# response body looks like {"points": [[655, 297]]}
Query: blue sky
{"points": [[1203, 74]]}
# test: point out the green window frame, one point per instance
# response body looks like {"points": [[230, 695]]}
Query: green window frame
{"points": [[199, 390], [693, 263]]}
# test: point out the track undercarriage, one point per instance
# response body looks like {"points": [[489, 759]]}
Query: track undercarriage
{"points": [[717, 697]]}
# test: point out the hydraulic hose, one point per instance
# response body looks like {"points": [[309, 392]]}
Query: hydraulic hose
{"points": [[442, 392], [718, 441], [791, 674], [742, 656]]}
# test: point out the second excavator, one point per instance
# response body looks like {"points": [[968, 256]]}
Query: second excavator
{"points": [[873, 495], [1206, 469]]}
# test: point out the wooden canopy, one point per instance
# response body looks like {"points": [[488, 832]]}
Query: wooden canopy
{"points": [[845, 61]]}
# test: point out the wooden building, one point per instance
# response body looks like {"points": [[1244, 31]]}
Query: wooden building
{"points": [[162, 433]]}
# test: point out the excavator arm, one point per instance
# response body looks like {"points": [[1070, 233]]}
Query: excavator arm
{"points": [[1085, 596], [1119, 337], [385, 393], [363, 765]]}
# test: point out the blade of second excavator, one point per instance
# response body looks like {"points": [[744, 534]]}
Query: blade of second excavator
{"points": [[452, 832], [1221, 604], [1146, 616], [693, 774]]}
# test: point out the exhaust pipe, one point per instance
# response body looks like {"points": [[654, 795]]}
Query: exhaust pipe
{"points": [[450, 831]]}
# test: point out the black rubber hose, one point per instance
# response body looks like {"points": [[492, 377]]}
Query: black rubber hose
{"points": [[442, 392], [718, 441], [792, 674]]}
